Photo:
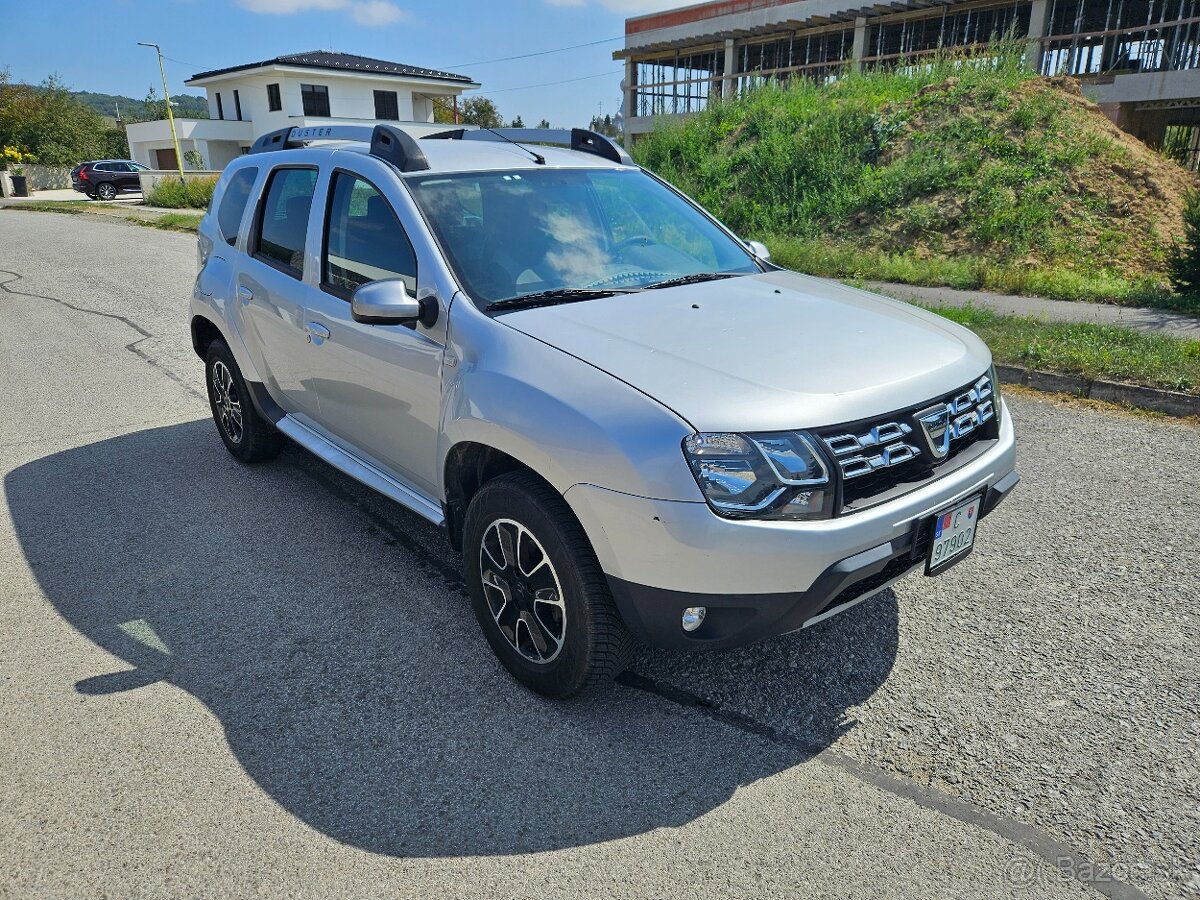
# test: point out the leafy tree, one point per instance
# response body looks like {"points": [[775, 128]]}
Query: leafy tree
{"points": [[194, 159], [443, 111], [545, 123], [154, 107], [604, 126], [1185, 256], [518, 122], [482, 112], [55, 127]]}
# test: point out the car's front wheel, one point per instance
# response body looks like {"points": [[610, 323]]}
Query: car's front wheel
{"points": [[538, 591], [246, 434], [106, 191]]}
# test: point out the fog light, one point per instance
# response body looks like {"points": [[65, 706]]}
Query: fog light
{"points": [[692, 617]]}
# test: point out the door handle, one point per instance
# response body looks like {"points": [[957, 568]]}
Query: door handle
{"points": [[245, 294], [317, 330]]}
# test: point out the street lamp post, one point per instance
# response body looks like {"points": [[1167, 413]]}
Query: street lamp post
{"points": [[170, 115]]}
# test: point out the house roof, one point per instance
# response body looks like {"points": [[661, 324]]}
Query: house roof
{"points": [[339, 62]]}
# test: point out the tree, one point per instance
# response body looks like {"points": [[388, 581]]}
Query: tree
{"points": [[443, 111], [545, 123], [1184, 261], [55, 127], [482, 112], [518, 122], [155, 107], [604, 126], [194, 158]]}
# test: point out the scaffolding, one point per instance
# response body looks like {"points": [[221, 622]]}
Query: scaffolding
{"points": [[1100, 37], [682, 81]]}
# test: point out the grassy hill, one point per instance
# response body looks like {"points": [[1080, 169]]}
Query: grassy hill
{"points": [[973, 173], [187, 106]]}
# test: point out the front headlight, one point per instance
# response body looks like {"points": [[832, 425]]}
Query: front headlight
{"points": [[761, 476]]}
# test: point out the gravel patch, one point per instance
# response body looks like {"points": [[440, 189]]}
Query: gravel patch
{"points": [[1052, 677]]}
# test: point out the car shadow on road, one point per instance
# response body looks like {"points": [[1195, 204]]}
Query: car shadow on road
{"points": [[327, 631]]}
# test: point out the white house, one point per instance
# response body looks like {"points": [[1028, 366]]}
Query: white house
{"points": [[316, 88]]}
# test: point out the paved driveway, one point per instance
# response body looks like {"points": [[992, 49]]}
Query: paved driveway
{"points": [[218, 680]]}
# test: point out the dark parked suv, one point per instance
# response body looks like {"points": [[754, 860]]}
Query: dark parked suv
{"points": [[105, 179]]}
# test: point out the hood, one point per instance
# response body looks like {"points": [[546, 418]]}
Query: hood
{"points": [[765, 352]]}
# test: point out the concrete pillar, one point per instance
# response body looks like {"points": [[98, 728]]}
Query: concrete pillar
{"points": [[629, 91], [1039, 23], [859, 48], [728, 84]]}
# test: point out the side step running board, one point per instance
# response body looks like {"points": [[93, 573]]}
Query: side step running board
{"points": [[361, 471]]}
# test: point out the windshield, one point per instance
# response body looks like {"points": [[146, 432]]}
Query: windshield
{"points": [[513, 234]]}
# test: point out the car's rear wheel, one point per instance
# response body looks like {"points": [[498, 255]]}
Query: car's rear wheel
{"points": [[106, 191], [538, 591], [246, 434]]}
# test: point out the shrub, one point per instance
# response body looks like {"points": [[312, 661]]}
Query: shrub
{"points": [[194, 193], [1184, 259]]}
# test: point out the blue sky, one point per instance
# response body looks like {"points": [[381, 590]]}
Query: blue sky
{"points": [[93, 45]]}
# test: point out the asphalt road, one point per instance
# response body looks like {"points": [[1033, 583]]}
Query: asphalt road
{"points": [[218, 680]]}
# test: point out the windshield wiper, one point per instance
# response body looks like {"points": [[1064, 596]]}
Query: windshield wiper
{"points": [[555, 296], [694, 278]]}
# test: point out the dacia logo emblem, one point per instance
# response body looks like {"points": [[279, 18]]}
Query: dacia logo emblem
{"points": [[935, 422]]}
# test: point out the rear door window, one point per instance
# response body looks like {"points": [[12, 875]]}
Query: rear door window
{"points": [[233, 204], [283, 219], [364, 240]]}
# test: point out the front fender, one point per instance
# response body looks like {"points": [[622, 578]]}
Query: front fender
{"points": [[563, 418]]}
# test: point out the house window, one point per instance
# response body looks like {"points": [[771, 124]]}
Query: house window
{"points": [[274, 101], [220, 107], [237, 104], [316, 99], [387, 106]]}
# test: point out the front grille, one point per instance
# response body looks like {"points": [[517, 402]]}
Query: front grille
{"points": [[893, 453]]}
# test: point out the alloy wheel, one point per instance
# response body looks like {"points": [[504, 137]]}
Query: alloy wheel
{"points": [[523, 591], [227, 402]]}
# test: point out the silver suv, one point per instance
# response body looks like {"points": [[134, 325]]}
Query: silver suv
{"points": [[629, 421]]}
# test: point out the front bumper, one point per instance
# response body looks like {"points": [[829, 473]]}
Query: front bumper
{"points": [[759, 579]]}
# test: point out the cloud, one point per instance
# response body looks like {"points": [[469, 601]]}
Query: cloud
{"points": [[364, 12], [376, 12], [629, 7]]}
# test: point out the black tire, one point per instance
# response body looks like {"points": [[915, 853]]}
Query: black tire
{"points": [[595, 645], [256, 440], [106, 190]]}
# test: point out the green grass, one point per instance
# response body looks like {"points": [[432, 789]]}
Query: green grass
{"points": [[66, 206], [185, 222], [830, 259], [169, 221], [969, 172], [194, 193], [1092, 351]]}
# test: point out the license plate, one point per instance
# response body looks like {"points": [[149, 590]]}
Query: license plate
{"points": [[953, 535]]}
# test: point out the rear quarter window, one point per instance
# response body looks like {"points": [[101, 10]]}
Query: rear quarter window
{"points": [[233, 204]]}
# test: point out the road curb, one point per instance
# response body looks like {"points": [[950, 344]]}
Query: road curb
{"points": [[1171, 403]]}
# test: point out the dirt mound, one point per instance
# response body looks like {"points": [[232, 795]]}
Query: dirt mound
{"points": [[1046, 145]]}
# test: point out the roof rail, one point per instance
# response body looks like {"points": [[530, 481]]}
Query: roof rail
{"points": [[575, 138], [388, 142]]}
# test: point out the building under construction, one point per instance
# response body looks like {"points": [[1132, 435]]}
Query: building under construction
{"points": [[1139, 59]]}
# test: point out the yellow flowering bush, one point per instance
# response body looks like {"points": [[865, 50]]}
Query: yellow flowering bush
{"points": [[14, 159]]}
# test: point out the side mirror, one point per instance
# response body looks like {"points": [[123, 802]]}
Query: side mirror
{"points": [[389, 302], [759, 249]]}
